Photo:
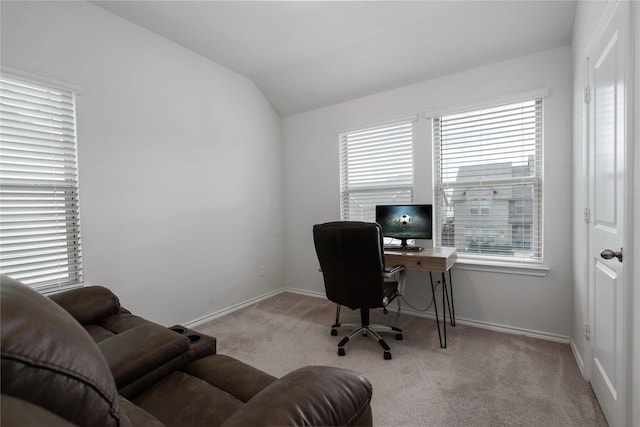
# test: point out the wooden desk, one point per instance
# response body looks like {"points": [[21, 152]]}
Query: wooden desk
{"points": [[431, 259]]}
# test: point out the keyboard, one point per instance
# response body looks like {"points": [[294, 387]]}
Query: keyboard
{"points": [[403, 248]]}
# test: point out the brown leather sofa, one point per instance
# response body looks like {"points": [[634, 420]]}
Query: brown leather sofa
{"points": [[79, 358]]}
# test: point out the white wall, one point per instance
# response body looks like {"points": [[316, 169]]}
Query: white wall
{"points": [[534, 304], [180, 161]]}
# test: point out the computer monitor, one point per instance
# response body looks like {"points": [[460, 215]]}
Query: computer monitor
{"points": [[405, 222]]}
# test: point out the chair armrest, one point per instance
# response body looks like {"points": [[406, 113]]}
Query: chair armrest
{"points": [[388, 272], [89, 304], [313, 396]]}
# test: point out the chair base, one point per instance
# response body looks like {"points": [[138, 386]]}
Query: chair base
{"points": [[365, 329]]}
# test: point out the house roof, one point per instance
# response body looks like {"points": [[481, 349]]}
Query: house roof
{"points": [[489, 172]]}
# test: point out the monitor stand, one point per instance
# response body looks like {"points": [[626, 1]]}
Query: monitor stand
{"points": [[404, 247]]}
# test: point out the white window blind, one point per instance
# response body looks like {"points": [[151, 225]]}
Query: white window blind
{"points": [[376, 167], [488, 187], [39, 212]]}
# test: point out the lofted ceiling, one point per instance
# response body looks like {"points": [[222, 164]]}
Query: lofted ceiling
{"points": [[309, 54]]}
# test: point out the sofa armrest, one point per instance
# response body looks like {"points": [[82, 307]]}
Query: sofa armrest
{"points": [[89, 304], [313, 395], [138, 351]]}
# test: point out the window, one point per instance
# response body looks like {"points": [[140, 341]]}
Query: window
{"points": [[488, 191], [39, 213], [519, 206], [479, 235], [376, 167], [479, 207]]}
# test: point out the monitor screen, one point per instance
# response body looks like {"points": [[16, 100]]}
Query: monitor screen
{"points": [[405, 221]]}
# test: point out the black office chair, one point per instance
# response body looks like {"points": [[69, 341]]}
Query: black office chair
{"points": [[351, 257]]}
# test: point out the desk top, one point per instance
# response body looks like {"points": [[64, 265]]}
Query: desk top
{"points": [[429, 259]]}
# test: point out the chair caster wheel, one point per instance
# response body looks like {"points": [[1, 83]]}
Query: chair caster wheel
{"points": [[399, 337], [387, 355], [342, 353], [334, 333]]}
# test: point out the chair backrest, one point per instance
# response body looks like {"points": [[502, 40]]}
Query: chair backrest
{"points": [[49, 360], [351, 256]]}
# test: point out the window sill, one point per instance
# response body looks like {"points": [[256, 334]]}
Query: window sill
{"points": [[520, 268]]}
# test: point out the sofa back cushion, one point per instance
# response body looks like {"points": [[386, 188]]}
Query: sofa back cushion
{"points": [[48, 359], [88, 305]]}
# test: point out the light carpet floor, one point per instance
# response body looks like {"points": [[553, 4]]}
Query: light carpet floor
{"points": [[482, 378]]}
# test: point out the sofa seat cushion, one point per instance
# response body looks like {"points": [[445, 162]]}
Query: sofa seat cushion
{"points": [[138, 351], [231, 375], [181, 400], [138, 416], [113, 325], [211, 390]]}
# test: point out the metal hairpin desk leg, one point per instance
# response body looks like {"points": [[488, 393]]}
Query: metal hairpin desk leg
{"points": [[452, 312], [446, 303], [443, 344]]}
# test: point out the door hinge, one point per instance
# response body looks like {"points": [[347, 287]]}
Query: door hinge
{"points": [[587, 331], [587, 95], [587, 215]]}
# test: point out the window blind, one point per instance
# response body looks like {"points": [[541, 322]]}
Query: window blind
{"points": [[376, 167], [39, 210], [488, 186]]}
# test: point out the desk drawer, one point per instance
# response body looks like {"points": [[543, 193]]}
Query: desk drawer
{"points": [[417, 262]]}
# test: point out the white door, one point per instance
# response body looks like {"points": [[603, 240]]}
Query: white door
{"points": [[608, 141]]}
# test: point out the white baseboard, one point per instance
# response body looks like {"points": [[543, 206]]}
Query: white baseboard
{"points": [[305, 292], [493, 326], [578, 357], [405, 310], [233, 308]]}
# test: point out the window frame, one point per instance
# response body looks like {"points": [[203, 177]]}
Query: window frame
{"points": [[40, 189], [530, 265], [400, 191]]}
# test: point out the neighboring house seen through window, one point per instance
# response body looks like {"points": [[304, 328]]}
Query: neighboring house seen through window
{"points": [[39, 212], [487, 185], [376, 168]]}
